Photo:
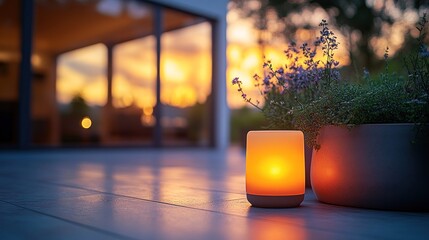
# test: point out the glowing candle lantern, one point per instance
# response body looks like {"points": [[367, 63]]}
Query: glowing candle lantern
{"points": [[275, 168]]}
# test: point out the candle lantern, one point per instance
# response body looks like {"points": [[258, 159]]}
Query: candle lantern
{"points": [[275, 168]]}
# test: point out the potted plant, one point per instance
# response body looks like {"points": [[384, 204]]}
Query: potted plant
{"points": [[370, 138]]}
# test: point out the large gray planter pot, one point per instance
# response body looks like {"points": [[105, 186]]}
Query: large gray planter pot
{"points": [[375, 166]]}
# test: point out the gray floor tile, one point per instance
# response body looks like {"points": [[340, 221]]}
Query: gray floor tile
{"points": [[21, 190], [149, 220], [359, 223], [19, 223]]}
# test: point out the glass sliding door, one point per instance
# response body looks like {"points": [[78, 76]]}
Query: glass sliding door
{"points": [[107, 73], [88, 88], [186, 78], [134, 92], [81, 87]]}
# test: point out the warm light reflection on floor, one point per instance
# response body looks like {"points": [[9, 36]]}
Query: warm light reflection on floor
{"points": [[277, 226], [182, 185], [91, 172]]}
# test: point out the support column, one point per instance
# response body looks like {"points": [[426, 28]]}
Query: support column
{"points": [[158, 26], [107, 110], [221, 110], [25, 78]]}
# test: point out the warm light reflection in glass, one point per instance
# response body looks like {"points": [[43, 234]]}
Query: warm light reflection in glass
{"points": [[185, 70], [86, 123], [147, 111], [36, 60], [186, 65], [83, 72], [135, 73], [148, 120]]}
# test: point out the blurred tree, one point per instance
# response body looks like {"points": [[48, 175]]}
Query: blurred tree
{"points": [[78, 106], [243, 120], [358, 20]]}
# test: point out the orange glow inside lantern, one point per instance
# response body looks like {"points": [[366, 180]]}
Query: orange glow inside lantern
{"points": [[275, 168]]}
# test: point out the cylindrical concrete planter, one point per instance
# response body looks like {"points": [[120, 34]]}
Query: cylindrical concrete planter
{"points": [[308, 153], [379, 166]]}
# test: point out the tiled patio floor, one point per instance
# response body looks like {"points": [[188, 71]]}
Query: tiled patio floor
{"points": [[176, 194]]}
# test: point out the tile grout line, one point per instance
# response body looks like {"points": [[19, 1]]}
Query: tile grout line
{"points": [[135, 198], [185, 186], [131, 197], [143, 199], [174, 205], [190, 207], [182, 206], [71, 222], [159, 202]]}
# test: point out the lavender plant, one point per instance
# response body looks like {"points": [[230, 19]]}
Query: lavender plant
{"points": [[288, 88], [308, 93]]}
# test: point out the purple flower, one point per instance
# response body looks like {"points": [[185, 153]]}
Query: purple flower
{"points": [[267, 80], [323, 23], [235, 81], [317, 42], [325, 32], [424, 53], [386, 53], [365, 73], [256, 77]]}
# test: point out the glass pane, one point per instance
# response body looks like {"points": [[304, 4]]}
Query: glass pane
{"points": [[81, 93], [72, 42], [9, 70], [185, 79], [134, 91]]}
